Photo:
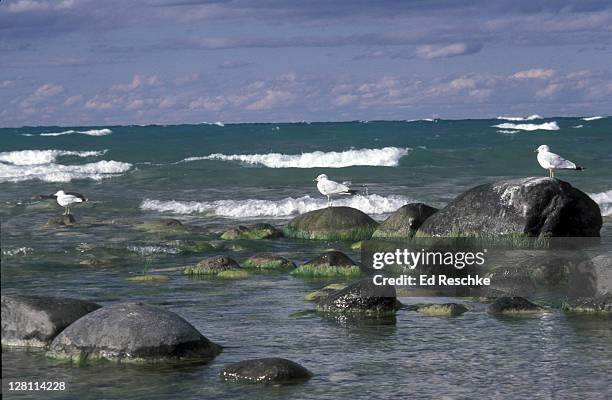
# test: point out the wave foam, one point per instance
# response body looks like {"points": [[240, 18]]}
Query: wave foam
{"points": [[507, 131], [529, 118], [218, 123], [385, 157], [604, 200], [592, 118], [546, 126], [90, 132], [255, 208], [35, 157], [62, 173]]}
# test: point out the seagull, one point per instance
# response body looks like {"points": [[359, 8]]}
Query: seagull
{"points": [[66, 199], [552, 161], [329, 188]]}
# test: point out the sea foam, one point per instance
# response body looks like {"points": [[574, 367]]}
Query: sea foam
{"points": [[604, 200], [35, 157], [90, 132], [385, 157], [592, 118], [529, 118], [255, 208], [546, 126]]}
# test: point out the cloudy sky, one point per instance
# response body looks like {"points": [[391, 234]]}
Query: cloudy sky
{"points": [[88, 62]]}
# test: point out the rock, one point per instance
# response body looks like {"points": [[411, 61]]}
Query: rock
{"points": [[213, 266], [357, 245], [132, 332], [591, 305], [329, 264], [149, 278], [514, 305], [332, 223], [527, 206], [233, 274], [442, 310], [592, 278], [268, 262], [324, 292], [361, 297], [168, 225], [33, 321], [404, 222], [265, 370], [252, 232], [194, 246], [61, 221]]}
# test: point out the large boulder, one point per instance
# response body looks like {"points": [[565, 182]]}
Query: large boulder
{"points": [[33, 321], [514, 305], [132, 332], [265, 370], [331, 223], [404, 222], [252, 232], [362, 297], [332, 263], [526, 206], [213, 266]]}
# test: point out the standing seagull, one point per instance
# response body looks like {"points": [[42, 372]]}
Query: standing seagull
{"points": [[329, 188], [66, 199], [552, 161]]}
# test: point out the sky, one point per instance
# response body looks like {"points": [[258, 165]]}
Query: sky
{"points": [[88, 62]]}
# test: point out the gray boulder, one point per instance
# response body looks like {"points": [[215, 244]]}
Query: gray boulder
{"points": [[331, 223], [265, 370], [34, 321], [404, 222], [526, 206], [362, 297], [213, 266], [513, 305], [132, 332]]}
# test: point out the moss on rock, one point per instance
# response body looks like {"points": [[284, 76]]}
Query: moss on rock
{"points": [[149, 278], [212, 266], [332, 223], [268, 262], [252, 232], [329, 264], [442, 310], [324, 292]]}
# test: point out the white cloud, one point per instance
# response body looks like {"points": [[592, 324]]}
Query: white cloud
{"points": [[536, 73], [429, 52], [271, 98], [22, 6], [42, 93], [72, 100], [138, 81]]}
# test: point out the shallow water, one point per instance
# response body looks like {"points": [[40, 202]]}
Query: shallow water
{"points": [[473, 356]]}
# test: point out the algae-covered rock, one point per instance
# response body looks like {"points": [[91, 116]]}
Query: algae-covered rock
{"points": [[265, 370], [329, 264], [61, 221], [132, 332], [195, 246], [514, 305], [213, 266], [233, 274], [589, 305], [357, 245], [361, 297], [148, 278], [442, 310], [331, 223], [252, 232], [324, 292], [268, 262], [404, 222], [33, 321], [167, 225]]}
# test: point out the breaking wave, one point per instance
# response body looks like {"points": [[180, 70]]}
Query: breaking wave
{"points": [[35, 157], [255, 208], [604, 200], [592, 118], [90, 132], [529, 118], [546, 126], [385, 157]]}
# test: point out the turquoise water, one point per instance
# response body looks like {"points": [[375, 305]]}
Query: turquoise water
{"points": [[214, 177]]}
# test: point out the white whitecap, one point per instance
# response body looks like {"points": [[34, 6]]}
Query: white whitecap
{"points": [[604, 200], [578, 126], [90, 132], [592, 118], [385, 157], [62, 173], [218, 123], [546, 126], [507, 131], [256, 208], [35, 157], [529, 118]]}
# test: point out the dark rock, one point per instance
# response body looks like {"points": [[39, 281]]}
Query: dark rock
{"points": [[592, 278], [213, 266], [527, 206], [268, 262], [442, 310], [329, 264], [61, 221], [596, 305], [324, 292], [132, 332], [404, 222], [33, 321], [168, 225], [363, 297], [265, 370], [252, 232], [513, 305], [332, 223]]}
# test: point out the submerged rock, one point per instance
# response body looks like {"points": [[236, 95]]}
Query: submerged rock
{"points": [[149, 278], [268, 262], [33, 321], [361, 297], [252, 232], [213, 266], [442, 310], [132, 332], [526, 206], [265, 370], [590, 305], [332, 223], [329, 264], [514, 305], [194, 246], [169, 225], [404, 222], [61, 221], [324, 292]]}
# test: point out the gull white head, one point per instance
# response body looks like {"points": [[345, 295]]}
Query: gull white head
{"points": [[59, 193], [321, 177], [542, 148]]}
